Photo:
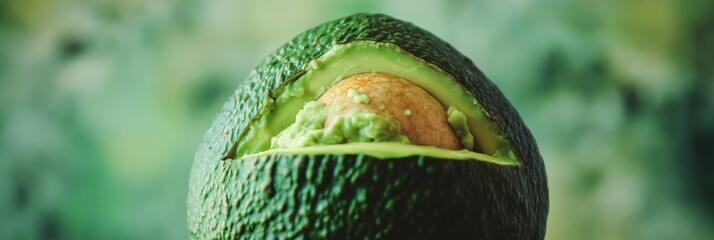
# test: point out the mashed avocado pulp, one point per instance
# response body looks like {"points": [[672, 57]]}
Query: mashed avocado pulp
{"points": [[350, 127], [457, 121]]}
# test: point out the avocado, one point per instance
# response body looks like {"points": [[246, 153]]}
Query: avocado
{"points": [[241, 188]]}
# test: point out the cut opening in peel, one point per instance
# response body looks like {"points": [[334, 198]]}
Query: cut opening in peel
{"points": [[364, 59]]}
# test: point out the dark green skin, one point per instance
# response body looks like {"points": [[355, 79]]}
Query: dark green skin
{"points": [[297, 196]]}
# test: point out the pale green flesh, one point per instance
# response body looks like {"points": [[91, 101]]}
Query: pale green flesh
{"points": [[365, 57], [353, 126], [459, 123], [386, 150]]}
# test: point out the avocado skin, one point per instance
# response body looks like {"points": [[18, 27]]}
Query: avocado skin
{"points": [[356, 196], [470, 199]]}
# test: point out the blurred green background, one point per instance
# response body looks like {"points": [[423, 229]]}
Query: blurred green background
{"points": [[103, 104]]}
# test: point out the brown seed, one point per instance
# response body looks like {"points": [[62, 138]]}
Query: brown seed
{"points": [[421, 117]]}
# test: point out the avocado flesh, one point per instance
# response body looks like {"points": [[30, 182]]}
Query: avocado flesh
{"points": [[362, 57], [459, 123], [384, 150], [353, 126]]}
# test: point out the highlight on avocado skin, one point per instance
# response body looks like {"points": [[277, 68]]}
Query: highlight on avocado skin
{"points": [[316, 150]]}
